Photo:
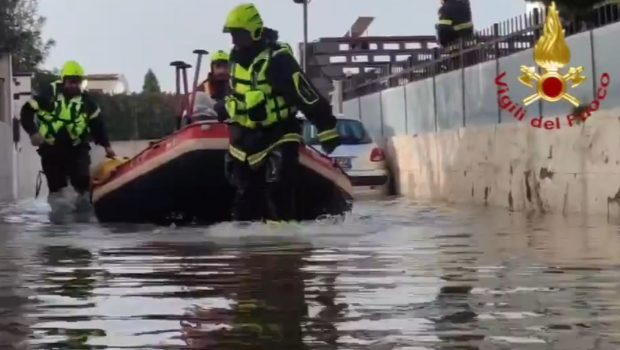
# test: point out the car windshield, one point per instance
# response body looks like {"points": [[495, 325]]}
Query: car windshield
{"points": [[352, 132]]}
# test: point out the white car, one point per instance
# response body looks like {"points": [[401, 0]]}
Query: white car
{"points": [[358, 155]]}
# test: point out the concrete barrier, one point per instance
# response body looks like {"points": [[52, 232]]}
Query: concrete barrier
{"points": [[516, 166], [420, 113]]}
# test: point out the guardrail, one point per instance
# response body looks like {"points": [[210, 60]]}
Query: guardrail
{"points": [[502, 39]]}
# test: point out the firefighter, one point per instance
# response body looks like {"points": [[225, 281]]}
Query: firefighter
{"points": [[217, 83], [268, 88], [60, 121], [454, 22]]}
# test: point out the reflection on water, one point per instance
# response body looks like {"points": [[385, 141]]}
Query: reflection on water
{"points": [[391, 276]]}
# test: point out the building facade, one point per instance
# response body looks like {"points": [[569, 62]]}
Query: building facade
{"points": [[112, 84]]}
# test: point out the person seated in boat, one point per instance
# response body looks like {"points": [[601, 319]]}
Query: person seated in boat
{"points": [[268, 88], [61, 120], [215, 88], [217, 82]]}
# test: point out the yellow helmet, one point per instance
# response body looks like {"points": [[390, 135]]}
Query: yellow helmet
{"points": [[72, 69], [246, 17], [219, 55]]}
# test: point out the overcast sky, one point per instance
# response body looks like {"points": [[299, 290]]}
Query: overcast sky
{"points": [[131, 36]]}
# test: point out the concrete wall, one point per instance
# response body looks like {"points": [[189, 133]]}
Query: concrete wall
{"points": [[8, 167], [27, 160], [19, 162], [449, 140]]}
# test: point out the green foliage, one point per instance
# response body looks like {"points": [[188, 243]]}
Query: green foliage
{"points": [[138, 116], [44, 78], [151, 84], [20, 33]]}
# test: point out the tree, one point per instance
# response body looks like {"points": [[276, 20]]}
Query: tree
{"points": [[151, 84], [139, 116], [43, 78], [20, 34]]}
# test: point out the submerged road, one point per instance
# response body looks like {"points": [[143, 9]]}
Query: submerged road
{"points": [[393, 275]]}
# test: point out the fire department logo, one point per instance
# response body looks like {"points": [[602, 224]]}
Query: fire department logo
{"points": [[551, 54]]}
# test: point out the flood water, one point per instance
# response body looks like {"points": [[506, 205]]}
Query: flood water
{"points": [[392, 275]]}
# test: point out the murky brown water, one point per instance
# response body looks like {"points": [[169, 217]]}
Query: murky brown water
{"points": [[392, 276]]}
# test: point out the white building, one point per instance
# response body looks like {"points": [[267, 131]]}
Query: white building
{"points": [[530, 6], [112, 84]]}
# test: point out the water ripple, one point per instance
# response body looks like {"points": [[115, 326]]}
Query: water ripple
{"points": [[393, 275]]}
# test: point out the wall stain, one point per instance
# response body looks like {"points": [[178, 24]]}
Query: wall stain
{"points": [[511, 171], [472, 190], [486, 196], [614, 199], [546, 174], [465, 173], [606, 161], [565, 204], [528, 190], [539, 201], [550, 156], [510, 201]]}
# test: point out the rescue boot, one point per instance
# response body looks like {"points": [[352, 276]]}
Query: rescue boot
{"points": [[82, 203], [83, 207], [60, 206]]}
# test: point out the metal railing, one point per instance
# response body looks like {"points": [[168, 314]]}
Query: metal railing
{"points": [[502, 39]]}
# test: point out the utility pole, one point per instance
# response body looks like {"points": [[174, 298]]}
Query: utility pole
{"points": [[304, 54], [305, 66]]}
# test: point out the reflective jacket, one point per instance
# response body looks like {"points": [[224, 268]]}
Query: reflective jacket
{"points": [[454, 22], [268, 88], [63, 121]]}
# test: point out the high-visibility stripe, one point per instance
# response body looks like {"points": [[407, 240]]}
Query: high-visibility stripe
{"points": [[447, 22], [96, 113], [256, 158], [328, 135], [237, 153], [34, 104], [463, 26]]}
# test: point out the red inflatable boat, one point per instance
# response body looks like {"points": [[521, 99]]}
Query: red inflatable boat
{"points": [[181, 178]]}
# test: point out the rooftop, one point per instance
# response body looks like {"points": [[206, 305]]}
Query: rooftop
{"points": [[104, 76]]}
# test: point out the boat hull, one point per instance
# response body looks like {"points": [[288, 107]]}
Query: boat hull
{"points": [[181, 179]]}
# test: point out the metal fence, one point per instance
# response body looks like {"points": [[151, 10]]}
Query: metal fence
{"points": [[502, 39], [469, 96]]}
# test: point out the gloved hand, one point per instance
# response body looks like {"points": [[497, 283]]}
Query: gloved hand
{"points": [[220, 109], [330, 145], [109, 152], [36, 139]]}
